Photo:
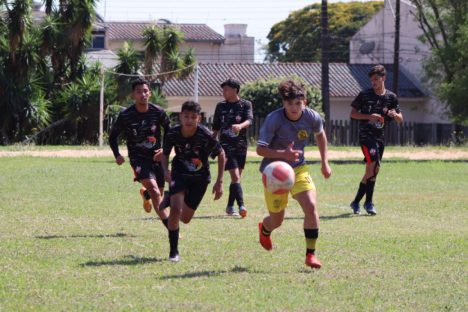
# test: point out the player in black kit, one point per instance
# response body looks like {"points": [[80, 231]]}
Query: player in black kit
{"points": [[232, 117], [142, 124], [190, 173], [374, 107]]}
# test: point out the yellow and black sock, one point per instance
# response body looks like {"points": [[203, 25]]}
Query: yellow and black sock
{"points": [[311, 236], [265, 231]]}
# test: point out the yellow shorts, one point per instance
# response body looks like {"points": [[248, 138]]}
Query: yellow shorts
{"points": [[277, 202]]}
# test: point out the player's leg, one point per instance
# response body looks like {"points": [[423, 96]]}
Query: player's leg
{"points": [[231, 167], [154, 191], [276, 203], [239, 192], [177, 202], [366, 148], [372, 170], [305, 193], [192, 199]]}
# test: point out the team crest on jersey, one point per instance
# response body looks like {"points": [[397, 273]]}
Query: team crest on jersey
{"points": [[194, 164], [302, 134], [238, 118], [153, 128]]}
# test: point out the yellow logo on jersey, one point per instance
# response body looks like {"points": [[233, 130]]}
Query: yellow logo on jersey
{"points": [[302, 134]]}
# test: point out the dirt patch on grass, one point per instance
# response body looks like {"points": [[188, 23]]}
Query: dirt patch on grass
{"points": [[411, 154]]}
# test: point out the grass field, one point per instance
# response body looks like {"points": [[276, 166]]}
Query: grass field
{"points": [[73, 236]]}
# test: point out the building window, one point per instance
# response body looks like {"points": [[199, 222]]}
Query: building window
{"points": [[98, 42]]}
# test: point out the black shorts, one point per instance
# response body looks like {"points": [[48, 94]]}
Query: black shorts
{"points": [[373, 151], [147, 169], [194, 188], [234, 161]]}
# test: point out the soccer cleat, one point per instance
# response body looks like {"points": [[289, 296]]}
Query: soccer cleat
{"points": [[264, 240], [230, 211], [242, 211], [174, 257], [312, 261], [146, 202], [355, 207], [370, 209], [166, 201]]}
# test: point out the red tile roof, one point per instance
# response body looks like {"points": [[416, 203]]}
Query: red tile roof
{"points": [[133, 30], [346, 80]]}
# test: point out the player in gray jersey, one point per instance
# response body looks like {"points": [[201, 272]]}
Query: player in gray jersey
{"points": [[283, 136]]}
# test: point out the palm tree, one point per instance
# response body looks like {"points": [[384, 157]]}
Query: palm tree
{"points": [[127, 66]]}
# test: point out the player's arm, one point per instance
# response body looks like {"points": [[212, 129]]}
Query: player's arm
{"points": [[113, 140], [355, 114], [216, 122], [288, 154], [397, 116], [322, 144], [165, 167], [248, 119], [218, 186]]}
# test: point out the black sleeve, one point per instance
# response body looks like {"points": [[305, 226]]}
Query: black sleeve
{"points": [[213, 147], [217, 118], [117, 128], [357, 102], [168, 143]]}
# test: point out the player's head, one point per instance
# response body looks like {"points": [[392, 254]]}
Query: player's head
{"points": [[231, 89], [190, 114], [294, 98], [377, 76], [141, 91]]}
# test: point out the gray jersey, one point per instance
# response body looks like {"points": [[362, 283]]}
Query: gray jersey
{"points": [[277, 132]]}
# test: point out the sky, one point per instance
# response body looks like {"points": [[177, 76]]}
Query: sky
{"points": [[259, 15]]}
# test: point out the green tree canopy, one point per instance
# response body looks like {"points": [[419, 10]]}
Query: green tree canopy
{"points": [[297, 39], [445, 27], [264, 95]]}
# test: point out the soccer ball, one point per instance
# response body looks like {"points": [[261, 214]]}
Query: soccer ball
{"points": [[278, 177]]}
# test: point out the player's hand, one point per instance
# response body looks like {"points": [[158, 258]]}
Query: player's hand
{"points": [[236, 128], [391, 113], [376, 117], [168, 176], [291, 154], [157, 155], [120, 160], [326, 170], [218, 189]]}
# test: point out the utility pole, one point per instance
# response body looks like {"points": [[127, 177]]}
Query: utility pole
{"points": [[325, 71], [101, 108], [396, 48]]}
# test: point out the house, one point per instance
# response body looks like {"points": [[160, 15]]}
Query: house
{"points": [[209, 46], [346, 80], [374, 43]]}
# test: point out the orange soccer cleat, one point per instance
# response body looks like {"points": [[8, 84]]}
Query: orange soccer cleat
{"points": [[312, 261], [146, 202], [265, 241]]}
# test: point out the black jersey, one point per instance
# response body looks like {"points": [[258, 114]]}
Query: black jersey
{"points": [[191, 154], [142, 131], [368, 102], [227, 114]]}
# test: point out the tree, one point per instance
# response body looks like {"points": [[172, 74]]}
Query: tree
{"points": [[264, 95], [162, 54], [445, 27], [297, 39]]}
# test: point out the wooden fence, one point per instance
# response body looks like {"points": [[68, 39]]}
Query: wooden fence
{"points": [[346, 132]]}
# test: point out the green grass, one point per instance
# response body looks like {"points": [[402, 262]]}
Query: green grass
{"points": [[73, 236]]}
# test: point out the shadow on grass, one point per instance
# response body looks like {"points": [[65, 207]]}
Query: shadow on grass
{"points": [[213, 273], [84, 236], [340, 216], [128, 260]]}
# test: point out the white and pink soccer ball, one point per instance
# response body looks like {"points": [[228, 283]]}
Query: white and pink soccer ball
{"points": [[278, 177]]}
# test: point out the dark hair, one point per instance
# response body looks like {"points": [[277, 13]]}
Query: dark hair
{"points": [[232, 83], [378, 70], [290, 90], [139, 82], [191, 106]]}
